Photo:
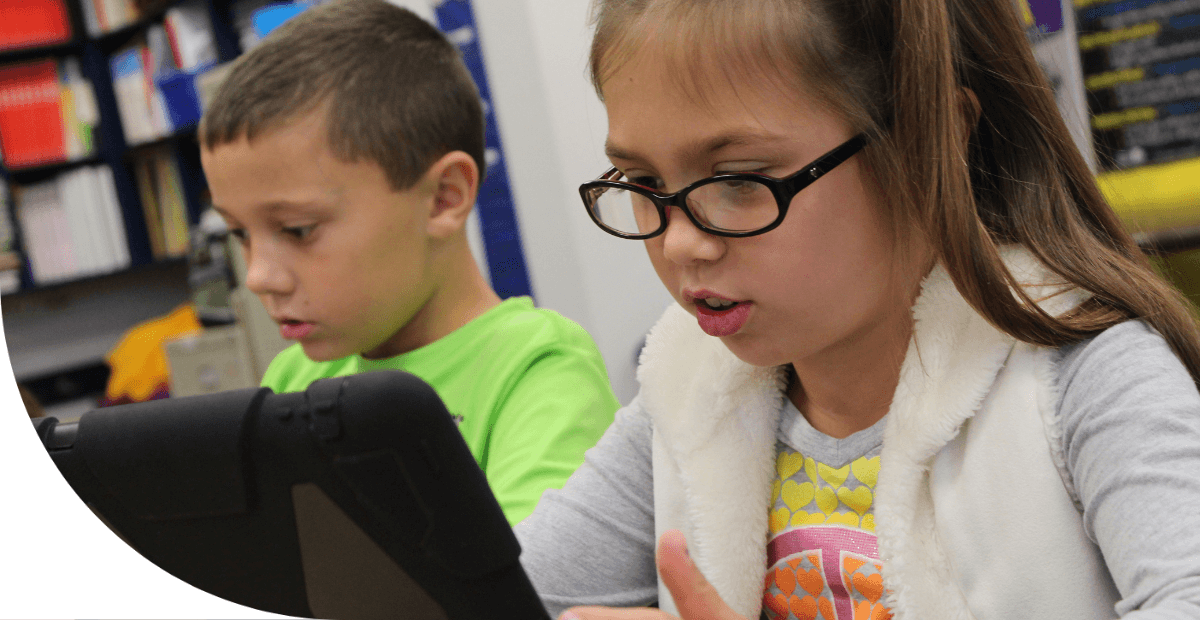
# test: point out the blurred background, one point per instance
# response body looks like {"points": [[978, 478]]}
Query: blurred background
{"points": [[119, 285]]}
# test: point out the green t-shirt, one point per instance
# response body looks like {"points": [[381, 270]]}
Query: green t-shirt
{"points": [[527, 386]]}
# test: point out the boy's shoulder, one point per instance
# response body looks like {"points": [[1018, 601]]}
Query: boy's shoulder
{"points": [[292, 371], [516, 322]]}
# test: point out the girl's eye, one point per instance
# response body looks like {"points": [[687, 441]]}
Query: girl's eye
{"points": [[651, 182], [239, 234], [299, 233]]}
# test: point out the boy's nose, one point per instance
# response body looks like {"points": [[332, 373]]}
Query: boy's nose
{"points": [[265, 275], [684, 244]]}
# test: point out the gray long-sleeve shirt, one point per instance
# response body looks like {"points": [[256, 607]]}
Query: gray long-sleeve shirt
{"points": [[1131, 435]]}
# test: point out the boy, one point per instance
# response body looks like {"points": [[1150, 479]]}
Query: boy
{"points": [[345, 153]]}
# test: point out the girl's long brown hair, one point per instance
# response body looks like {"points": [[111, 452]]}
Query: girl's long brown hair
{"points": [[896, 70]]}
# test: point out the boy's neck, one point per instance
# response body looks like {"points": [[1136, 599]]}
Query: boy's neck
{"points": [[462, 294]]}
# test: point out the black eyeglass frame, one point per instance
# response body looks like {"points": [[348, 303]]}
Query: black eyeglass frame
{"points": [[784, 190]]}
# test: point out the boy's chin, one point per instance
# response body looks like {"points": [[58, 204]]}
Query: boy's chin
{"points": [[322, 352]]}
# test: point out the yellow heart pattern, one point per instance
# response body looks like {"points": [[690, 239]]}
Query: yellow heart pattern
{"points": [[787, 464], [808, 492], [843, 518], [835, 477], [866, 470], [801, 518], [779, 520], [858, 500], [826, 500], [797, 496], [810, 469]]}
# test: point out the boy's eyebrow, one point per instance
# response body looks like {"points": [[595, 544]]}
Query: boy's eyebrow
{"points": [[275, 207], [704, 147]]}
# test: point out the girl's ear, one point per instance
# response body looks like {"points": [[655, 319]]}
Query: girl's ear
{"points": [[971, 111], [455, 181]]}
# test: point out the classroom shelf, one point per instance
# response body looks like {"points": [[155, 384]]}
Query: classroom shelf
{"points": [[109, 144], [19, 54]]}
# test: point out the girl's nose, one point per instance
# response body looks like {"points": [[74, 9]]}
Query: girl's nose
{"points": [[684, 244]]}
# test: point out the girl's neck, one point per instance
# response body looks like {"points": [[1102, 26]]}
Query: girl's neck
{"points": [[848, 389]]}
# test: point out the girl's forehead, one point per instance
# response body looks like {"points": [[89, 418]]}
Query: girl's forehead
{"points": [[704, 107]]}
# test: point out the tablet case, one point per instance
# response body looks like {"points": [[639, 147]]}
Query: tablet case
{"points": [[356, 499]]}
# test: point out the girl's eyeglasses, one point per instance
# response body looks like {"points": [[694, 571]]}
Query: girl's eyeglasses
{"points": [[741, 204]]}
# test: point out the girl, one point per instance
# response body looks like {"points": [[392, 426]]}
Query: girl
{"points": [[917, 366]]}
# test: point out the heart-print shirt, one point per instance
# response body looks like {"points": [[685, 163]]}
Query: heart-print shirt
{"points": [[822, 556]]}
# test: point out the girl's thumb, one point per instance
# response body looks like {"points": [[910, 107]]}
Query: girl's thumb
{"points": [[695, 598]]}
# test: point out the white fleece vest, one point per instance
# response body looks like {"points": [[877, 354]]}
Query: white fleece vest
{"points": [[974, 513]]}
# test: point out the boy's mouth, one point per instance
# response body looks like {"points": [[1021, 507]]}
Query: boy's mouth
{"points": [[291, 329]]}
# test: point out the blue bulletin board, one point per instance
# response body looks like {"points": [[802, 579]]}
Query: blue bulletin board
{"points": [[497, 215]]}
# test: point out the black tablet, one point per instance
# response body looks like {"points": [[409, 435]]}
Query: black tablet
{"points": [[356, 499]]}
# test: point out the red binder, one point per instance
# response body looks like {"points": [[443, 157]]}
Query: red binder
{"points": [[33, 23], [31, 124]]}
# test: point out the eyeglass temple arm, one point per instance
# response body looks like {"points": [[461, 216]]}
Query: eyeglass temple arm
{"points": [[828, 162]]}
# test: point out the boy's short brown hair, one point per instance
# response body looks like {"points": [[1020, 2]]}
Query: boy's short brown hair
{"points": [[393, 89]]}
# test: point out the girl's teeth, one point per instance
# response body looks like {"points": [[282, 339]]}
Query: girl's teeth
{"points": [[717, 304]]}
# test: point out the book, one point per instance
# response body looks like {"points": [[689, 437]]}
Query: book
{"points": [[38, 126], [137, 71], [72, 195], [144, 175], [42, 222], [31, 121], [172, 205], [80, 113], [114, 226], [33, 23], [134, 92], [67, 225], [190, 35], [164, 206], [10, 260]]}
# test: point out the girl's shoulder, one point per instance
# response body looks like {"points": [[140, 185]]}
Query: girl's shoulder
{"points": [[1124, 354], [1127, 372]]}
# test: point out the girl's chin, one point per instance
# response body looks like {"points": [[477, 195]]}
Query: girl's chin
{"points": [[748, 351]]}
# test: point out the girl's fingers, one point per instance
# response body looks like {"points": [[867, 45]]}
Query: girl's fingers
{"points": [[609, 613], [695, 598]]}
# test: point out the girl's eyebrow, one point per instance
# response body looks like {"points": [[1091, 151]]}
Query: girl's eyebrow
{"points": [[705, 147]]}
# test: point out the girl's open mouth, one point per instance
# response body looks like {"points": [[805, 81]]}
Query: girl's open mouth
{"points": [[721, 317]]}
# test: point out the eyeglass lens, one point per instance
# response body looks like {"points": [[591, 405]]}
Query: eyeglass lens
{"points": [[729, 205]]}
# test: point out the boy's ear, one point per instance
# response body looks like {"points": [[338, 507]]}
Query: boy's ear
{"points": [[455, 181]]}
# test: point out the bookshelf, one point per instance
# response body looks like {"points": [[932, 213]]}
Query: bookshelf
{"points": [[170, 147], [59, 328]]}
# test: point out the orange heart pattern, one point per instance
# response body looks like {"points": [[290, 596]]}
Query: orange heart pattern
{"points": [[795, 588]]}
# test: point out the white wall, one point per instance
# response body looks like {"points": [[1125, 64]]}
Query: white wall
{"points": [[553, 127]]}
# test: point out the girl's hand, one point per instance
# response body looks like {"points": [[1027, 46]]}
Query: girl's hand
{"points": [[695, 598]]}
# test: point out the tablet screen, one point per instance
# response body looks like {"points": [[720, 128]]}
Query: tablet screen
{"points": [[357, 498]]}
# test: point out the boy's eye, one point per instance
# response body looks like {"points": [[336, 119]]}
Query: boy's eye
{"points": [[299, 233]]}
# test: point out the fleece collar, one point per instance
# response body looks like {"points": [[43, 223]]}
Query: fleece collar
{"points": [[717, 416]]}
